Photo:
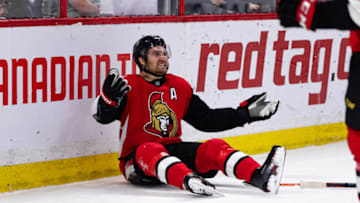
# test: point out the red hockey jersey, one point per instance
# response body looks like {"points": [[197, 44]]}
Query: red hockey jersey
{"points": [[152, 113]]}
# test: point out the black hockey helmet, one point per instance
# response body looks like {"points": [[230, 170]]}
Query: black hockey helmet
{"points": [[142, 46]]}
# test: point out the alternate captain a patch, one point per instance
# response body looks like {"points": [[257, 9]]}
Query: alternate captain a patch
{"points": [[163, 120]]}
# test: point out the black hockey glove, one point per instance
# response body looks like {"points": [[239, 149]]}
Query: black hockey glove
{"points": [[136, 176], [114, 88], [258, 108], [295, 13]]}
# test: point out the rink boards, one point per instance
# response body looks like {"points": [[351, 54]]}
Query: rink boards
{"points": [[50, 76]]}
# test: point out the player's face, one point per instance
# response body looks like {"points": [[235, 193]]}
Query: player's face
{"points": [[157, 60]]}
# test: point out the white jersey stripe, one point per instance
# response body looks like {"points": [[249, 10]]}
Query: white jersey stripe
{"points": [[164, 165], [123, 135], [232, 161]]}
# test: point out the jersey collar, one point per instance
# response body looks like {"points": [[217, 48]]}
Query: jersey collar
{"points": [[159, 82]]}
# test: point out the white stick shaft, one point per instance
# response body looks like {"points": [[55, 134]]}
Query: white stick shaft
{"points": [[312, 184]]}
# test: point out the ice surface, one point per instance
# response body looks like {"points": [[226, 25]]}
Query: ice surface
{"points": [[331, 163]]}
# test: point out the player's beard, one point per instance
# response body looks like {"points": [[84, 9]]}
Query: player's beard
{"points": [[159, 71], [162, 69]]}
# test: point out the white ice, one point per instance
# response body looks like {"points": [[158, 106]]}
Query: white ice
{"points": [[330, 163]]}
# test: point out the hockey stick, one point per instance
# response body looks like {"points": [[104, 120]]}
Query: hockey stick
{"points": [[314, 184]]}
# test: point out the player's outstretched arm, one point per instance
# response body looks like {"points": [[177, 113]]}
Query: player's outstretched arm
{"points": [[259, 109], [112, 100], [203, 118], [319, 14]]}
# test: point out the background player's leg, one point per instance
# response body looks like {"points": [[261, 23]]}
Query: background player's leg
{"points": [[353, 103], [354, 145]]}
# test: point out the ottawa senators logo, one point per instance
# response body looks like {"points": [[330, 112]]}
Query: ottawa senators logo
{"points": [[163, 120]]}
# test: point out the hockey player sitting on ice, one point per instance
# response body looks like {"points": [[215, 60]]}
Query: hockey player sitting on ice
{"points": [[150, 107], [343, 15]]}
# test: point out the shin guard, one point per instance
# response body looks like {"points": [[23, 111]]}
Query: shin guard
{"points": [[216, 154], [155, 161]]}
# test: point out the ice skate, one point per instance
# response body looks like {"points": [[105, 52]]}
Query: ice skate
{"points": [[199, 185], [268, 176]]}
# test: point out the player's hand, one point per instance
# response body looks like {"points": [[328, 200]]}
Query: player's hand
{"points": [[296, 13], [114, 88], [258, 108]]}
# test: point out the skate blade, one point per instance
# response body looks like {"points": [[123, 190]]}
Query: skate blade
{"points": [[279, 162], [208, 191]]}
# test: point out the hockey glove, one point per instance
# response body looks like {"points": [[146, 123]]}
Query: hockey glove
{"points": [[294, 13], [258, 108], [114, 88], [135, 176]]}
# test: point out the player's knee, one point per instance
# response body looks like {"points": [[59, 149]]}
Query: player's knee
{"points": [[211, 155], [212, 147], [148, 154], [216, 143]]}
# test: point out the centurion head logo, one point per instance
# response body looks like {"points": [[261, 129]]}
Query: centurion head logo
{"points": [[163, 120]]}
